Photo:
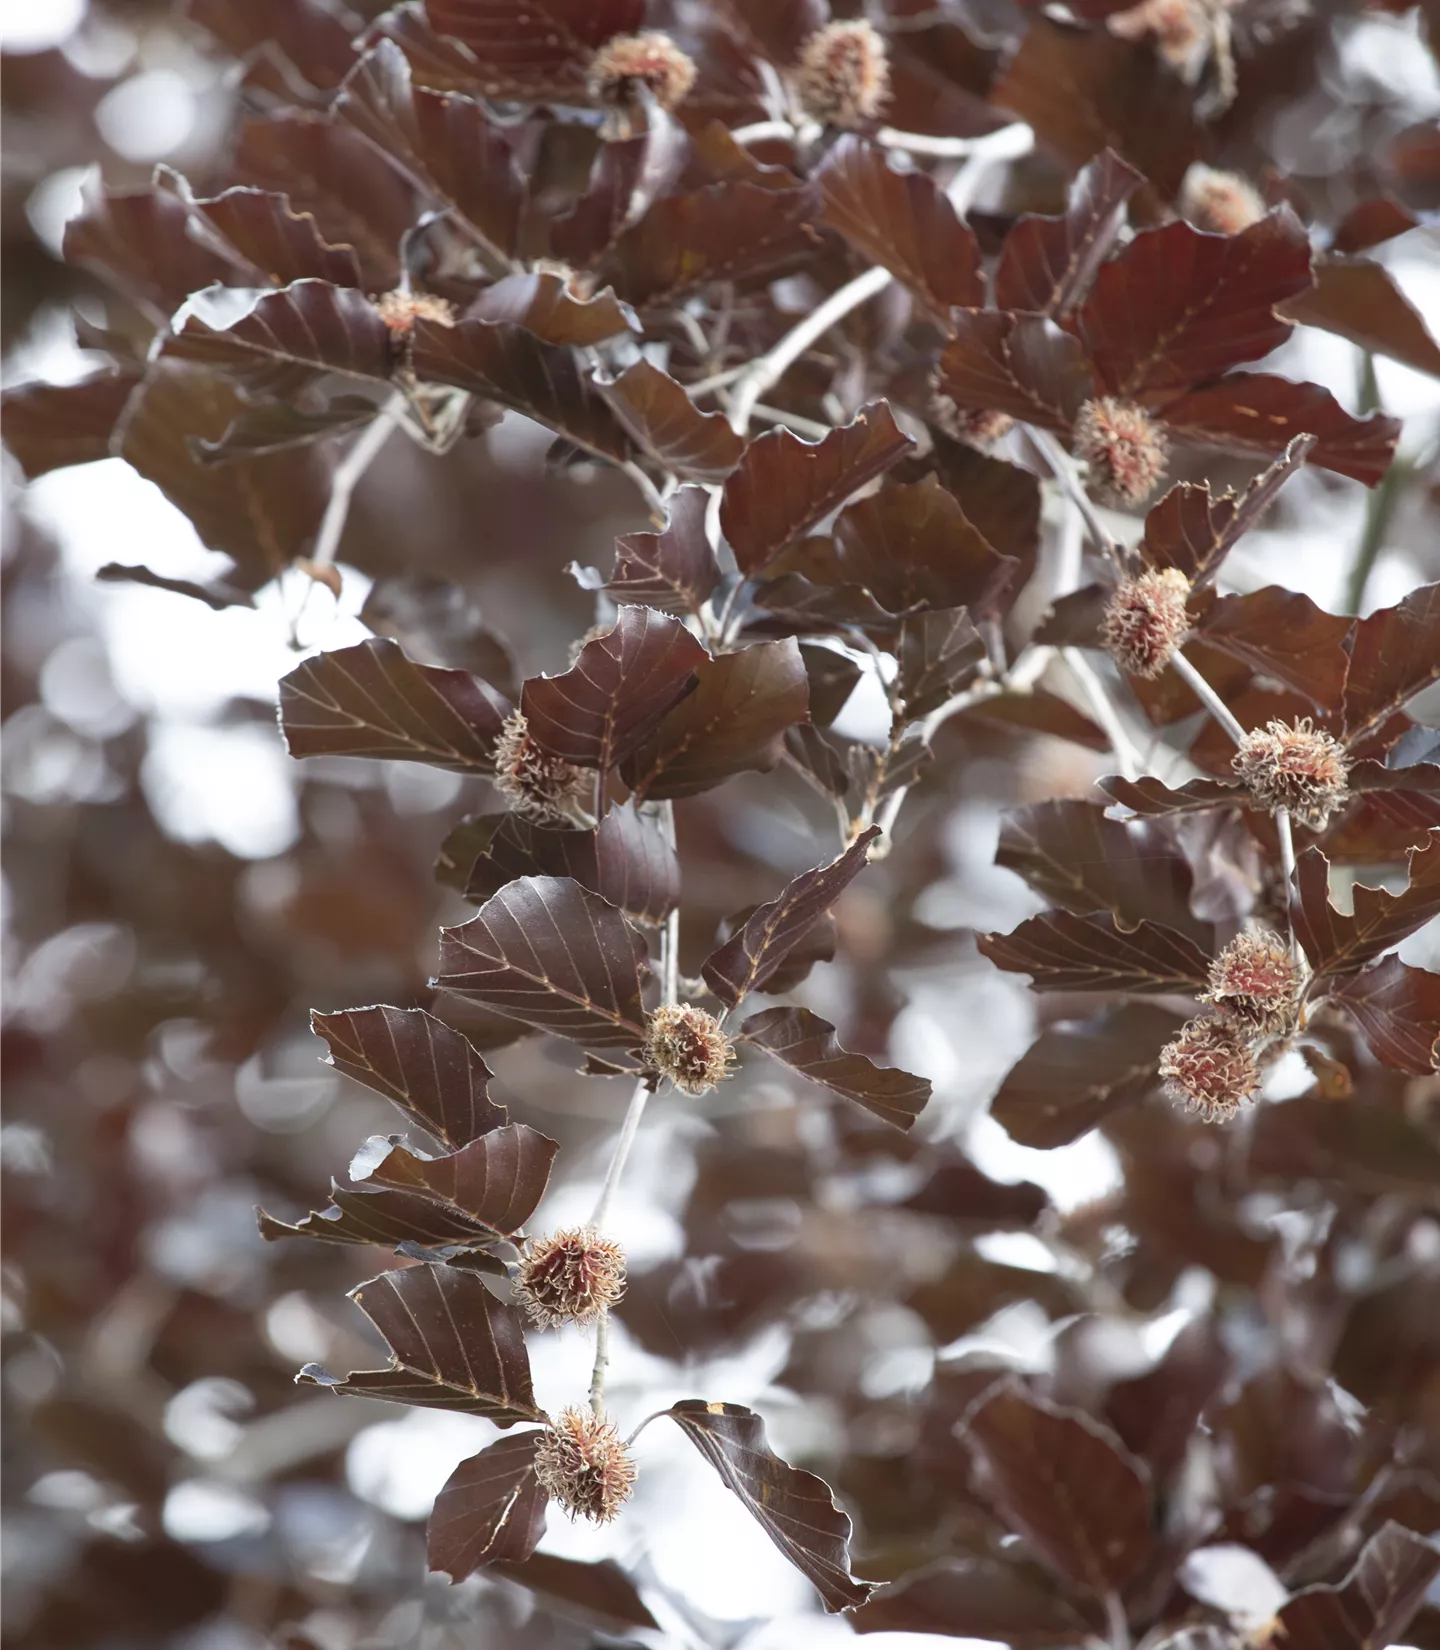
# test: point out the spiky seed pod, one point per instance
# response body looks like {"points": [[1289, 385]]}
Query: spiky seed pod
{"points": [[978, 427], [570, 1277], [631, 61], [843, 75], [1222, 202], [531, 780], [1295, 766], [1210, 1068], [1180, 28], [582, 1463], [687, 1045], [401, 310], [1255, 979], [1145, 621], [1124, 447]]}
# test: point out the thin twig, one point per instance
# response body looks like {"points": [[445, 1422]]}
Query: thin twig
{"points": [[670, 937], [633, 1113], [1287, 866], [1116, 1622], [648, 491], [1102, 708], [602, 1363], [1064, 472], [1207, 696]]}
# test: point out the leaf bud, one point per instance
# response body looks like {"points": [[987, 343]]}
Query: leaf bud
{"points": [[1145, 621], [1255, 979], [1299, 767], [1210, 1068], [581, 1462], [687, 1045], [534, 782], [570, 1277], [1125, 448], [843, 75]]}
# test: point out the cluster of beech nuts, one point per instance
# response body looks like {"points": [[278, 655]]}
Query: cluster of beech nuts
{"points": [[581, 1461], [544, 788], [1213, 1066]]}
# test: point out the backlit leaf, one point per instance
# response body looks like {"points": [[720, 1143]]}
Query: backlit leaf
{"points": [[452, 1346], [977, 1598], [370, 700], [662, 419], [940, 653], [674, 570], [50, 426], [618, 691], [537, 51], [428, 1070], [748, 959], [495, 1181], [1359, 300], [600, 1594], [1398, 1009], [793, 1507], [1338, 945], [1153, 799], [1396, 654], [809, 1045], [261, 230], [1017, 364], [491, 1510], [1063, 952], [1373, 1605], [1283, 634], [550, 953]]}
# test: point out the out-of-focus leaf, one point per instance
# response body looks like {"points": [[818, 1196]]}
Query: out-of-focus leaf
{"points": [[1067, 1484], [50, 426], [618, 691], [259, 230], [1340, 1142], [305, 34], [1193, 532], [370, 700], [1080, 1071], [600, 1595], [1396, 653], [674, 570], [724, 232], [1375, 1602], [1017, 364], [408, 1222], [734, 721], [491, 1510], [1359, 300], [452, 1346], [626, 174], [550, 953], [262, 512], [1075, 857], [662, 419], [1338, 945], [216, 596], [785, 486], [1254, 412], [971, 1290], [912, 545], [1084, 90], [444, 144], [496, 1181], [281, 426], [539, 52], [833, 678], [903, 222], [1282, 633], [809, 1045], [507, 364], [1040, 711], [977, 1598], [625, 860], [940, 652], [958, 1191], [1047, 264], [1177, 307], [427, 1069], [793, 1507], [1153, 799], [999, 499], [1398, 1009], [542, 303], [748, 959], [1156, 1415], [1063, 952], [139, 241], [290, 335], [1370, 223]]}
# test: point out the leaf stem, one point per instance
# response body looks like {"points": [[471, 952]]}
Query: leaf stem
{"points": [[1063, 469], [602, 1363], [1116, 1622], [1207, 695], [628, 1130]]}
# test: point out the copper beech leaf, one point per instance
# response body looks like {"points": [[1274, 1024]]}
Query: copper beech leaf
{"points": [[553, 955], [600, 1595], [1012, 1603], [1337, 944], [809, 1045], [497, 1181], [427, 1069], [444, 144], [50, 426], [1191, 531], [624, 859], [408, 1222], [260, 230], [751, 956], [940, 653], [793, 1507], [1342, 1141], [139, 241], [660, 416], [734, 721], [1066, 1483], [542, 303], [1358, 299], [1374, 1604], [1177, 307], [1398, 1009], [370, 700], [1152, 798], [617, 692], [1047, 264], [674, 570], [1064, 952], [505, 363], [452, 1346], [1078, 1072], [1017, 364], [491, 1510], [312, 41], [903, 222], [1282, 634], [1396, 654], [785, 486], [537, 51], [1255, 412], [263, 427]]}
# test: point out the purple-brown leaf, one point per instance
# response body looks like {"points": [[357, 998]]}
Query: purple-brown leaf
{"points": [[1064, 952], [661, 418], [1337, 944], [496, 1181], [537, 51], [1373, 1605], [1398, 1009], [1017, 364], [809, 1045], [1395, 655], [490, 1511], [674, 570]]}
